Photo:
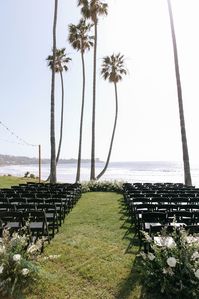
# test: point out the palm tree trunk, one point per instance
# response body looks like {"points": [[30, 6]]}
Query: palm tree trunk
{"points": [[92, 174], [62, 118], [81, 121], [187, 173], [113, 134], [53, 177]]}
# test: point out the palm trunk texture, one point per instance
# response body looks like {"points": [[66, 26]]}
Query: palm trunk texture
{"points": [[81, 121], [187, 173], [53, 177], [92, 174], [113, 134]]}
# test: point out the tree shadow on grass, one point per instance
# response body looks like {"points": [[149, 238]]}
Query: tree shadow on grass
{"points": [[131, 283], [134, 285]]}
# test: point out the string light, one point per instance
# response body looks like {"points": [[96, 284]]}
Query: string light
{"points": [[22, 141]]}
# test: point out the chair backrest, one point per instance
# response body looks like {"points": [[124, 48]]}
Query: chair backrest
{"points": [[150, 218]]}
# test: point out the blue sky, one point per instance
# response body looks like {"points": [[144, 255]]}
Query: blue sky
{"points": [[148, 122]]}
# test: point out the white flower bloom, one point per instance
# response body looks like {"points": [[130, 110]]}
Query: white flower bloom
{"points": [[195, 255], [197, 273], [1, 269], [16, 257], [151, 256], [2, 249], [171, 261], [164, 242], [25, 271]]}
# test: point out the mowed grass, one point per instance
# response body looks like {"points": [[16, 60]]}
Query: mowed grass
{"points": [[6, 181], [92, 261]]}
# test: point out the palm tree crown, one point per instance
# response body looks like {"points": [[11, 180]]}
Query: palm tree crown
{"points": [[93, 8], [113, 68], [79, 37], [61, 61]]}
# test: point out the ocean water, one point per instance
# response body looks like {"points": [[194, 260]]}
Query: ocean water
{"points": [[153, 172]]}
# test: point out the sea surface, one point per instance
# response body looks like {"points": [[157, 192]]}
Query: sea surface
{"points": [[153, 171]]}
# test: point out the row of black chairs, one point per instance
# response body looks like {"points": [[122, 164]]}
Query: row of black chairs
{"points": [[152, 213], [44, 214]]}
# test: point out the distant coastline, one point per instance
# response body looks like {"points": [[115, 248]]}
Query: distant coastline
{"points": [[6, 160]]}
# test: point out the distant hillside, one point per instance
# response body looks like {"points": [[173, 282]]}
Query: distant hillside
{"points": [[20, 160]]}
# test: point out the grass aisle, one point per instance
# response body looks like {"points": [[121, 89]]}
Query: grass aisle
{"points": [[92, 263]]}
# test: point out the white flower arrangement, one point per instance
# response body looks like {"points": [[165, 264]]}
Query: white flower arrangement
{"points": [[18, 269], [171, 268]]}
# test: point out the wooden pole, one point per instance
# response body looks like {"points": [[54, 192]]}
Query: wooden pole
{"points": [[39, 163]]}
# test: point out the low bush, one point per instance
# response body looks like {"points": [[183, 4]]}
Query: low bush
{"points": [[18, 270], [107, 186], [171, 268]]}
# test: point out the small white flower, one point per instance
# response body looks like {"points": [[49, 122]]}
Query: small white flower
{"points": [[151, 256], [16, 257], [25, 271], [195, 255], [2, 249], [197, 273], [1, 269], [171, 261]]}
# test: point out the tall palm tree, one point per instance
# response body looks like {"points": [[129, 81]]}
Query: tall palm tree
{"points": [[187, 173], [112, 69], [60, 65], [92, 10], [81, 41], [53, 175]]}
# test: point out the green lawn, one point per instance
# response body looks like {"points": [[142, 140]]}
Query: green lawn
{"points": [[93, 262], [6, 181]]}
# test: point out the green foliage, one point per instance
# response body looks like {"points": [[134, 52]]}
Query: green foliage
{"points": [[29, 175], [172, 268], [107, 186], [18, 270]]}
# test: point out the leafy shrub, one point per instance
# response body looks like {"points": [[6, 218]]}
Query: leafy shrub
{"points": [[107, 186], [172, 267], [29, 175], [18, 269]]}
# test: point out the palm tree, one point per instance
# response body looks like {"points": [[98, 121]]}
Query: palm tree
{"points": [[53, 176], [112, 69], [92, 10], [60, 65], [187, 173], [81, 41]]}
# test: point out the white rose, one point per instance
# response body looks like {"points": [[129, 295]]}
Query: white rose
{"points": [[171, 261], [1, 269], [195, 255], [151, 256], [197, 273], [16, 257], [25, 271]]}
